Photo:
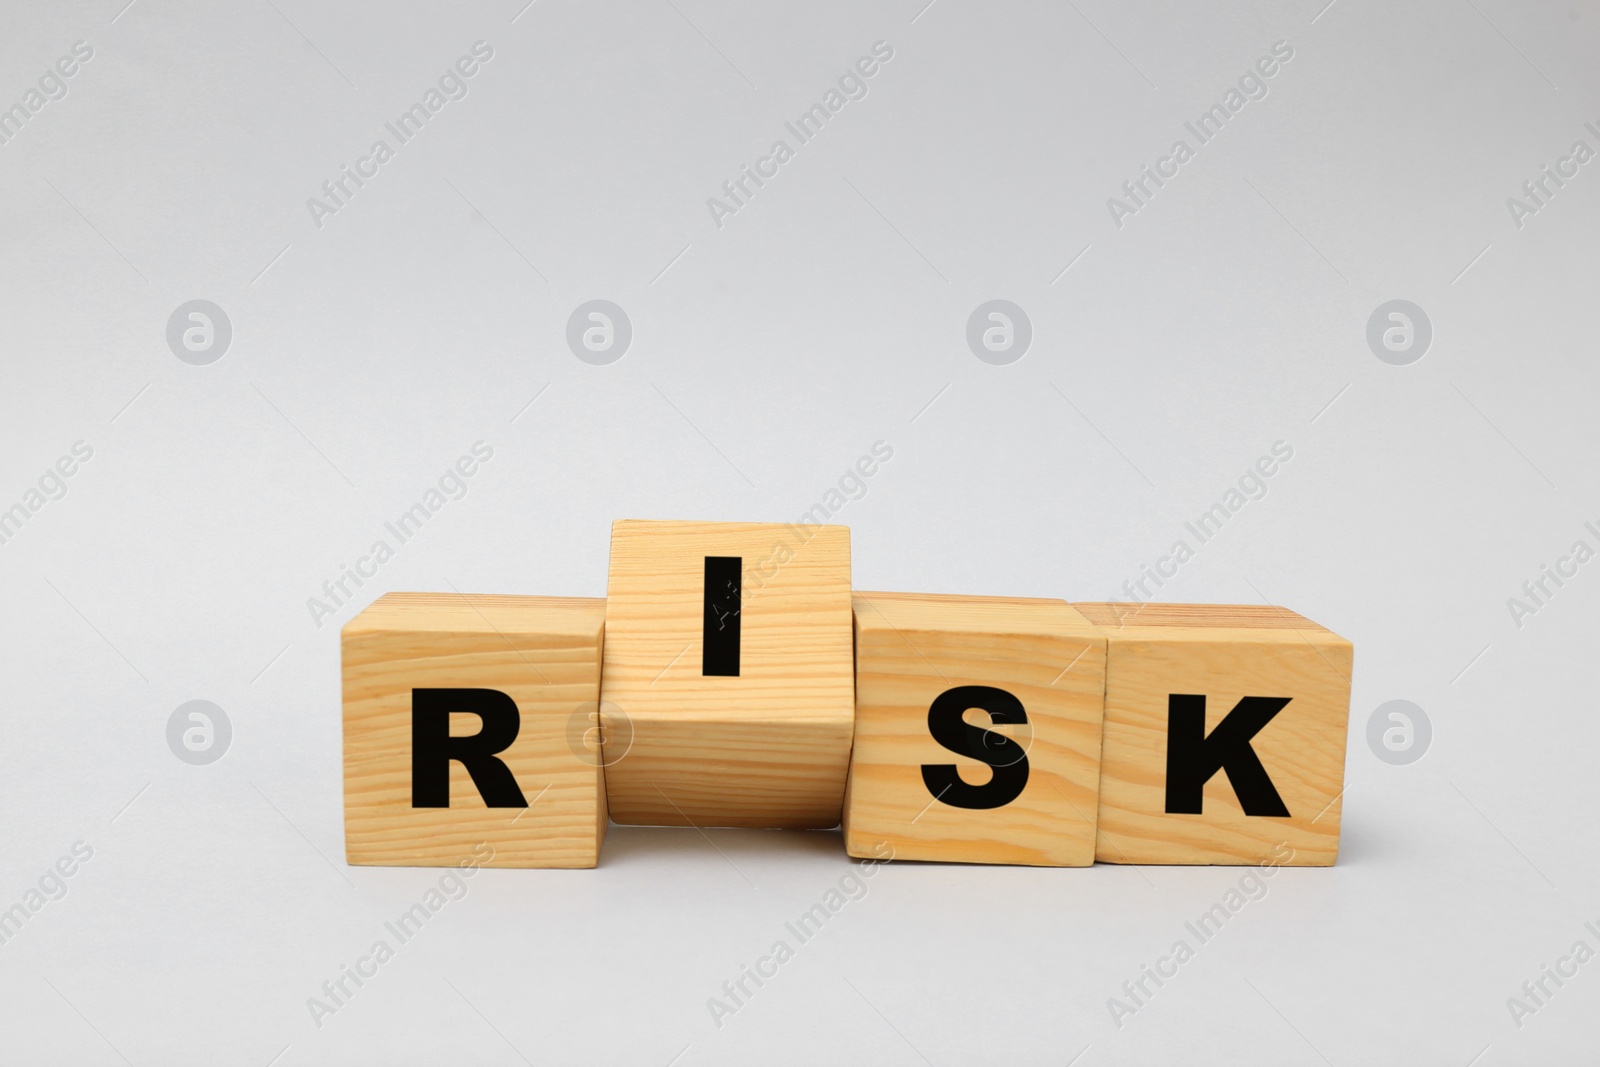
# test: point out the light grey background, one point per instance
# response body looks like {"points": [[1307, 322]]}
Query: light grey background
{"points": [[829, 313]]}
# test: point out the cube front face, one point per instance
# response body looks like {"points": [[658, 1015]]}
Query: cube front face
{"points": [[1264, 788], [1021, 785], [728, 667], [420, 667]]}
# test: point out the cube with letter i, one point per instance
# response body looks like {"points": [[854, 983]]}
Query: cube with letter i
{"points": [[727, 696]]}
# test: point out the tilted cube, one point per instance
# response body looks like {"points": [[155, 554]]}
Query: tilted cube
{"points": [[727, 689], [977, 730]]}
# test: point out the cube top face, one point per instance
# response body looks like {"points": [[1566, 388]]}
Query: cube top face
{"points": [[949, 613], [1196, 621], [542, 617], [543, 655], [1022, 785], [728, 662], [1175, 673]]}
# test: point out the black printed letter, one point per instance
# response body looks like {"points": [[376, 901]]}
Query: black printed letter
{"points": [[719, 636], [1008, 759], [432, 747], [1193, 757]]}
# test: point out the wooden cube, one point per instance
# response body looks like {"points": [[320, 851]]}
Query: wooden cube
{"points": [[978, 726], [728, 663], [466, 731], [1224, 735]]}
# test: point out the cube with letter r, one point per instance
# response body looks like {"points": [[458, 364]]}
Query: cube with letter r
{"points": [[472, 721]]}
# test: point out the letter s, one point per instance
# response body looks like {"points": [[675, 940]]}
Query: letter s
{"points": [[1008, 759]]}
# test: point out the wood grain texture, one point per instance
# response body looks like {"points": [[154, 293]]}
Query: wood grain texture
{"points": [[543, 652], [1225, 652], [910, 648], [768, 748]]}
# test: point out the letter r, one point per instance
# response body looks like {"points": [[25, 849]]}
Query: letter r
{"points": [[432, 747]]}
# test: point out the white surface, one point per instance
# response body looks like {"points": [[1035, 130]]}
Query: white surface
{"points": [[825, 316]]}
